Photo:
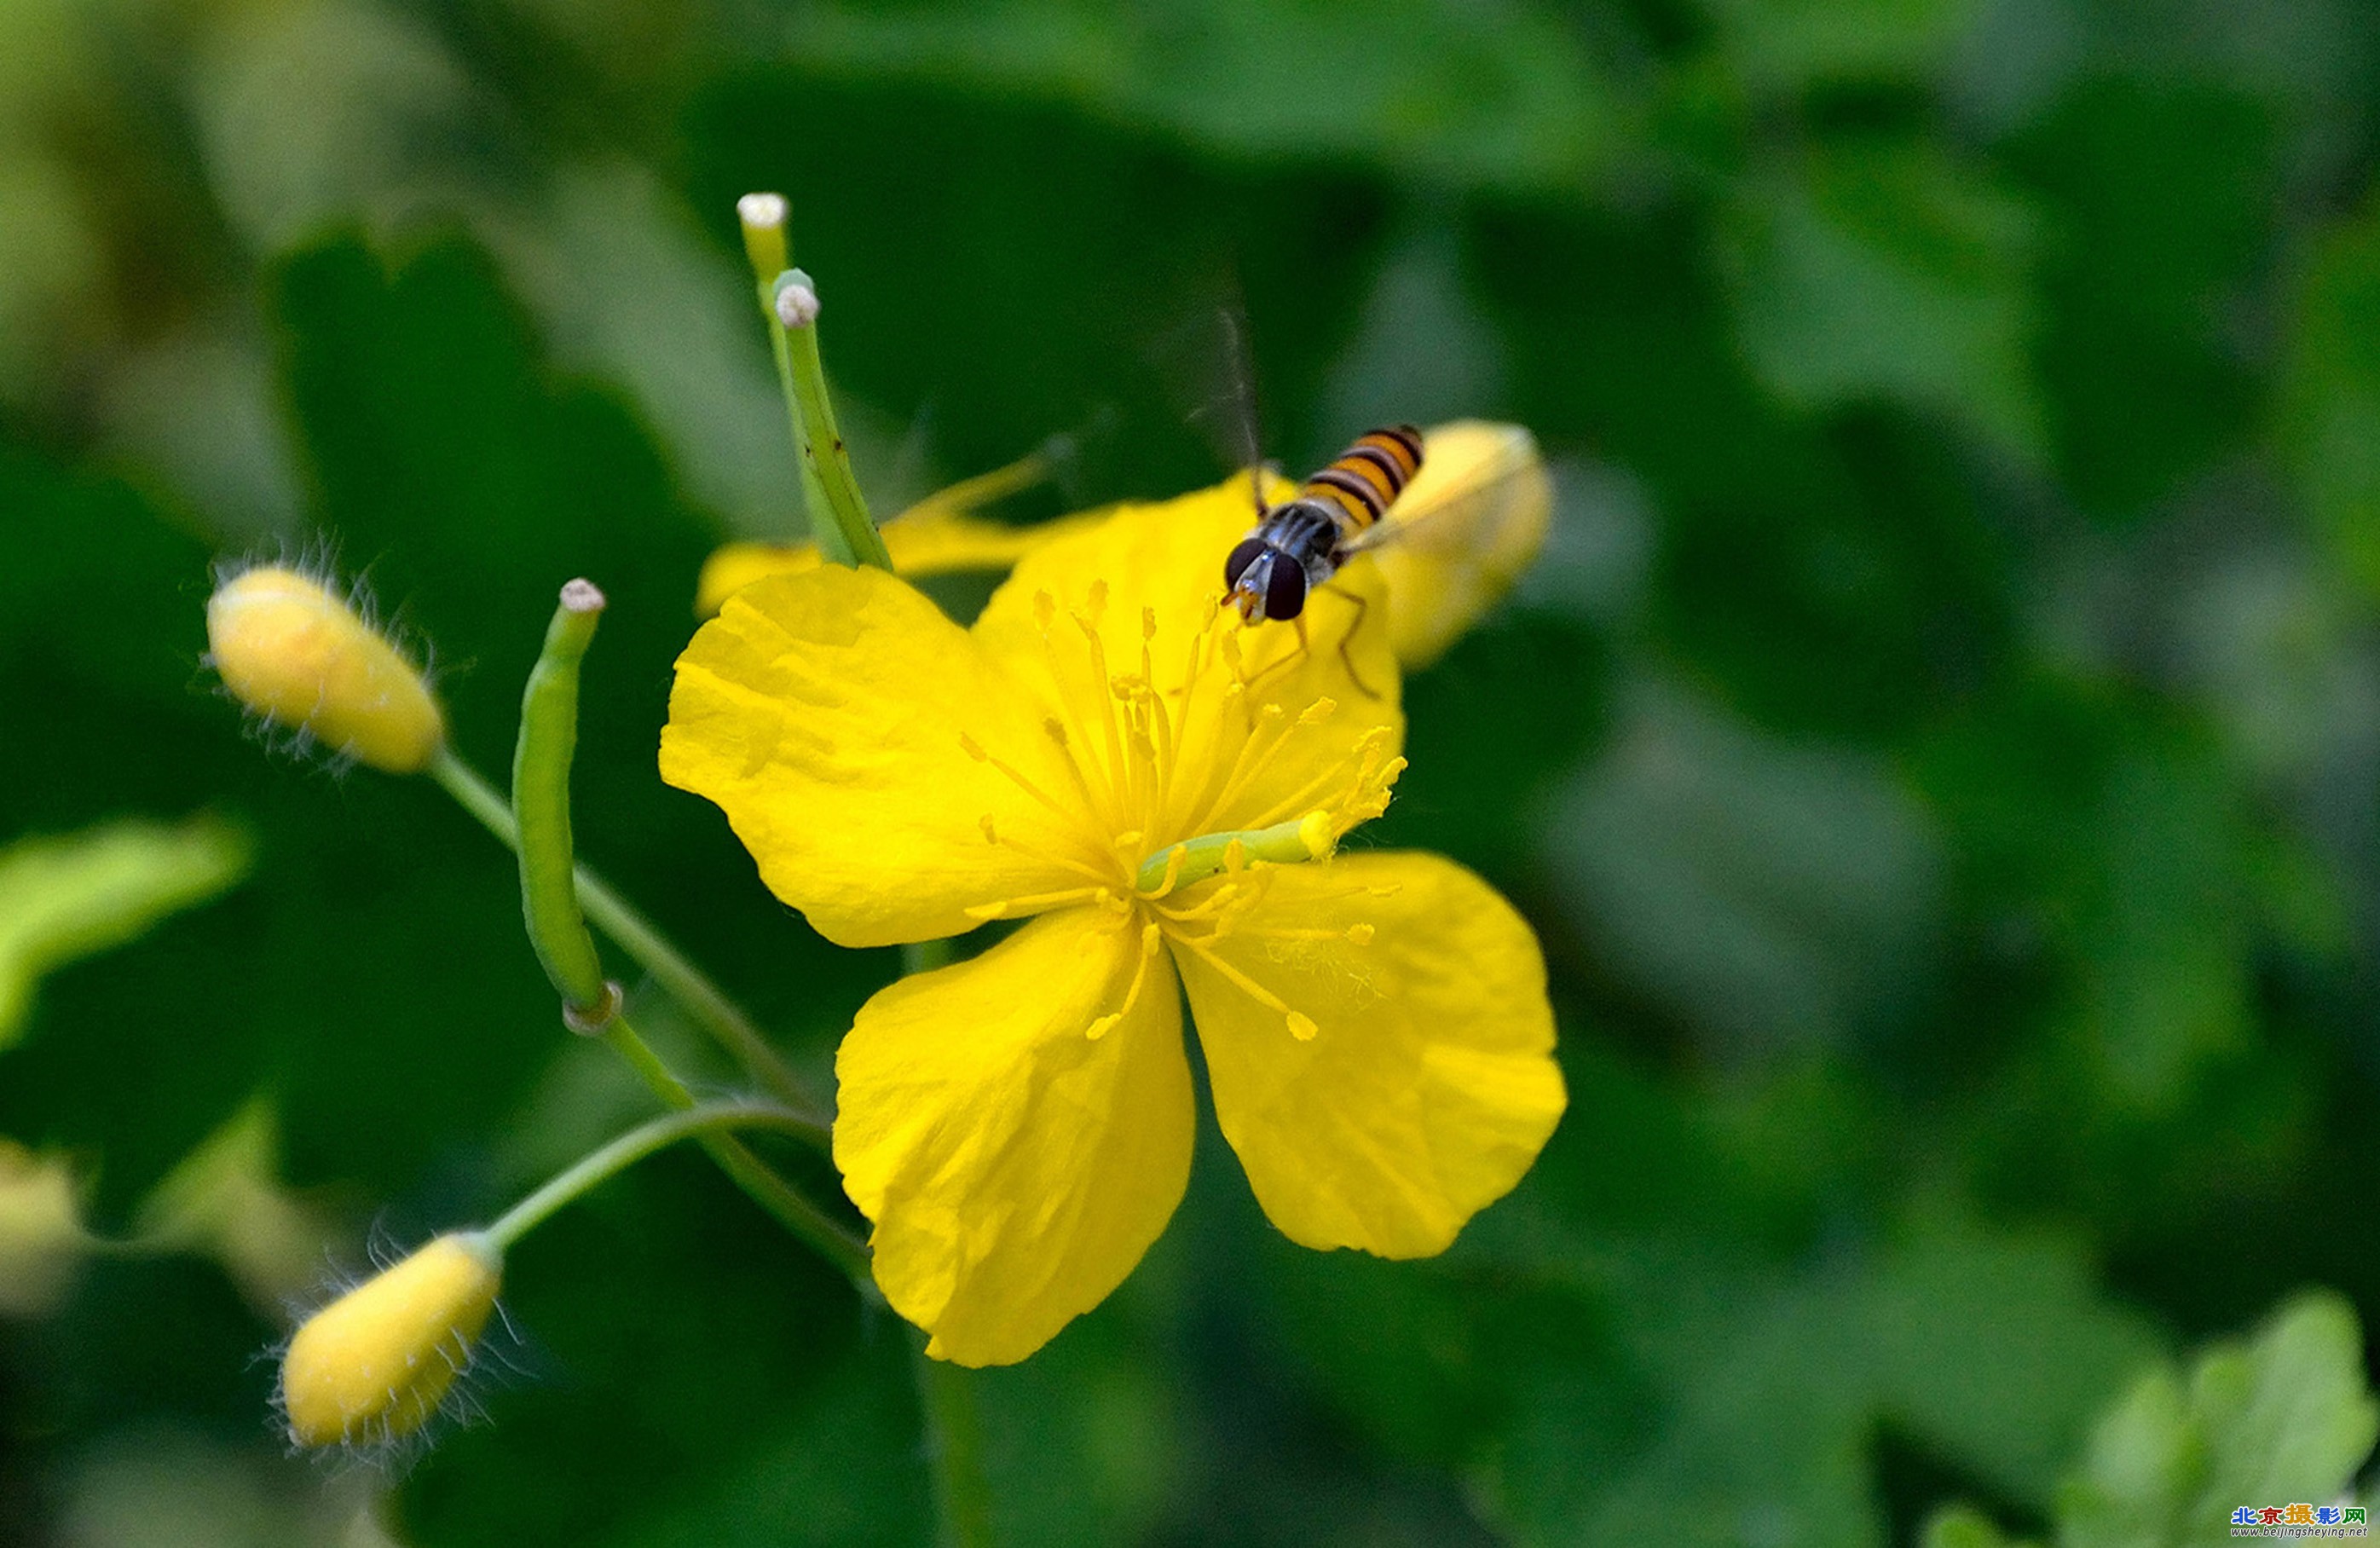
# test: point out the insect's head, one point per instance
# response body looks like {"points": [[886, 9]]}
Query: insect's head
{"points": [[1264, 582]]}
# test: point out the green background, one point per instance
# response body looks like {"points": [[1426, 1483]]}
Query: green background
{"points": [[1938, 748]]}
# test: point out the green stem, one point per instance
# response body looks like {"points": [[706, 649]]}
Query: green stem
{"points": [[838, 513], [955, 1448], [925, 956], [837, 1244], [684, 983], [600, 1165], [549, 738], [848, 526], [825, 530]]}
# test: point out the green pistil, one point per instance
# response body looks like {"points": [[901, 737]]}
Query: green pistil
{"points": [[1213, 854]]}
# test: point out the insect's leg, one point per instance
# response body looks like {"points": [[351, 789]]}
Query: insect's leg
{"points": [[1362, 608], [1288, 659]]}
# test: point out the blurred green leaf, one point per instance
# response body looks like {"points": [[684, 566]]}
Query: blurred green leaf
{"points": [[1881, 270], [1960, 1526], [1766, 1386], [2156, 194], [2285, 1417], [1770, 895], [1794, 44], [79, 894], [1504, 95], [2282, 1418], [2332, 394]]}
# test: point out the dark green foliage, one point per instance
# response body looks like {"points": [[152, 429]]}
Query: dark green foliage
{"points": [[1939, 749]]}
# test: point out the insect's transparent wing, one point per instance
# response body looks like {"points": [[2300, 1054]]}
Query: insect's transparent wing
{"points": [[1463, 530], [1207, 368], [1478, 481]]}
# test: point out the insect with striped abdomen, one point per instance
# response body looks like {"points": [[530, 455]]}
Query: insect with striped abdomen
{"points": [[1299, 544]]}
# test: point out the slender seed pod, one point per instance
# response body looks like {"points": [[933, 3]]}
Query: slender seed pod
{"points": [[375, 1365], [300, 656]]}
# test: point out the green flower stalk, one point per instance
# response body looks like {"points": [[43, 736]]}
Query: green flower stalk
{"points": [[840, 523], [378, 1363], [541, 822]]}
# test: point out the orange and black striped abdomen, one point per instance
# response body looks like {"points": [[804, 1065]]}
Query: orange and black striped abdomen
{"points": [[1368, 476]]}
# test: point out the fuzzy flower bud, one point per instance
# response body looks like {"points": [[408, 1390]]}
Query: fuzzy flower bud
{"points": [[293, 652], [375, 1364]]}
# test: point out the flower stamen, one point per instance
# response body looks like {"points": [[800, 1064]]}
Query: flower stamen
{"points": [[1300, 1026], [1036, 901], [1150, 936], [977, 750], [992, 835]]}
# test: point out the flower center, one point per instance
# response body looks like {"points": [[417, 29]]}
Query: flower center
{"points": [[1171, 785]]}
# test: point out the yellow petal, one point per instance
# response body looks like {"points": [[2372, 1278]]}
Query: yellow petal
{"points": [[1164, 563], [1462, 533], [829, 714], [936, 536], [734, 566], [1016, 1167], [928, 541], [1392, 1070]]}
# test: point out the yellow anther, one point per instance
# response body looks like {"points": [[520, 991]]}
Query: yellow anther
{"points": [[1319, 711], [1314, 830], [1235, 856], [1055, 729], [1359, 935], [1098, 598], [990, 833], [1301, 1027], [973, 748], [1045, 609], [985, 911], [1130, 840], [1101, 1026], [1173, 858], [1151, 937], [1148, 625]]}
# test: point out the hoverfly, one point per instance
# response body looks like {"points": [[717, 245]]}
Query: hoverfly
{"points": [[1462, 532], [1300, 543]]}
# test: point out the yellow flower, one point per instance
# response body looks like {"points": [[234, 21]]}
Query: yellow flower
{"points": [[1470, 523], [302, 657], [376, 1363], [939, 536], [1108, 751]]}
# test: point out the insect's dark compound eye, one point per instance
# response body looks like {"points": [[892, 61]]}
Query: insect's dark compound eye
{"points": [[1241, 558], [1285, 590]]}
